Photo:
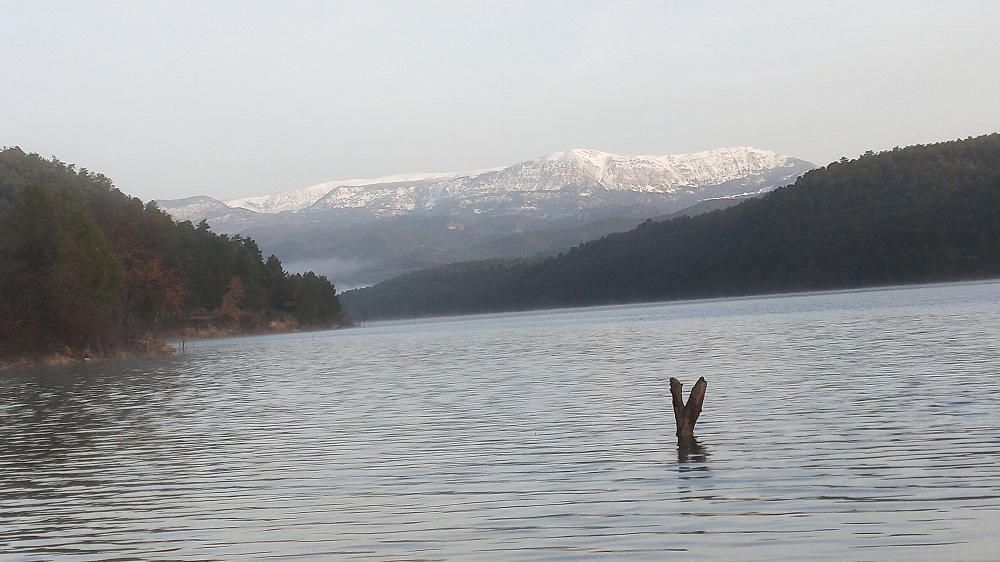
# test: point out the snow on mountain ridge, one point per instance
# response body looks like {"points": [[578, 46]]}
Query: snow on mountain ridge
{"points": [[669, 173], [303, 197], [579, 170], [284, 201], [191, 208]]}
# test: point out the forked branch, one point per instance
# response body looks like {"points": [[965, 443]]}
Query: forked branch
{"points": [[686, 415]]}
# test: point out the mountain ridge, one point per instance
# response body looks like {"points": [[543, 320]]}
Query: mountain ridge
{"points": [[585, 169], [359, 232]]}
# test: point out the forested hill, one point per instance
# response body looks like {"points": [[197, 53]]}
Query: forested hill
{"points": [[86, 269], [910, 215]]}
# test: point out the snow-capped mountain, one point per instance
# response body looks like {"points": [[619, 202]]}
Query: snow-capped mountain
{"points": [[221, 216], [558, 183], [362, 231], [306, 196], [193, 208]]}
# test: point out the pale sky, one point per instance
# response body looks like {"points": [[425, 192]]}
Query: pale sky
{"points": [[179, 98]]}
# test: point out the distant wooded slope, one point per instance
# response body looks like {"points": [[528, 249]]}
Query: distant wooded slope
{"points": [[909, 215]]}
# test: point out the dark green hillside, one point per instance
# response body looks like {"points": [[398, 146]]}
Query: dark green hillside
{"points": [[457, 288], [86, 269], [911, 215]]}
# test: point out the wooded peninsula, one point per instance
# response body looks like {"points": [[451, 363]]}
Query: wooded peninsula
{"points": [[87, 271]]}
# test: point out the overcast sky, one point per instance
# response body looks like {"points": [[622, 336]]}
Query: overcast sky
{"points": [[172, 99]]}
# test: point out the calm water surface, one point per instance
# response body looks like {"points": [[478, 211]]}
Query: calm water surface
{"points": [[860, 426]]}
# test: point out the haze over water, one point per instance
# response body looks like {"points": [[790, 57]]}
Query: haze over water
{"points": [[858, 425]]}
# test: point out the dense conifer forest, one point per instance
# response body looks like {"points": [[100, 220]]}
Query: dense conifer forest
{"points": [[88, 270], [909, 215]]}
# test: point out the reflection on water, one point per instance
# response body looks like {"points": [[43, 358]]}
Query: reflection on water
{"points": [[692, 452], [858, 425]]}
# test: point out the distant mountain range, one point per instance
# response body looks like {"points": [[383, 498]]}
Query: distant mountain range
{"points": [[362, 231]]}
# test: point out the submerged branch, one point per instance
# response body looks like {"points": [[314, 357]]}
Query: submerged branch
{"points": [[686, 415]]}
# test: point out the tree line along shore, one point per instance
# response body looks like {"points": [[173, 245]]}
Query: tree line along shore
{"points": [[87, 271]]}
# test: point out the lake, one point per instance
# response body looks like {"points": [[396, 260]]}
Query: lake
{"points": [[856, 425]]}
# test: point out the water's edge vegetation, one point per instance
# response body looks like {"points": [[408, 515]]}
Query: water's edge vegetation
{"points": [[89, 272], [921, 214]]}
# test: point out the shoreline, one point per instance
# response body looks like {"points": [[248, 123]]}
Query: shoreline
{"points": [[72, 357], [170, 344]]}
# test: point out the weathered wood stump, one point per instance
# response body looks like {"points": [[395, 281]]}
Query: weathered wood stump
{"points": [[686, 415]]}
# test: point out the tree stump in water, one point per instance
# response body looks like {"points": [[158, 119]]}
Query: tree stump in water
{"points": [[686, 415]]}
